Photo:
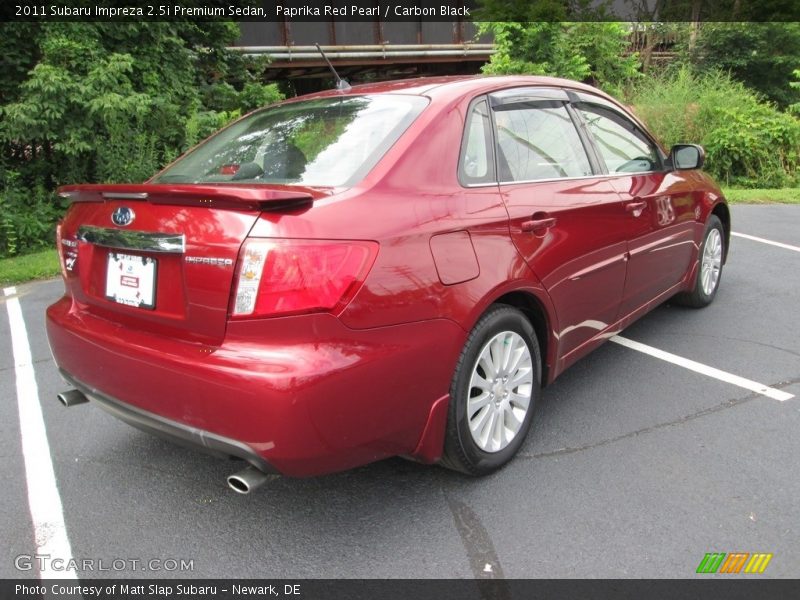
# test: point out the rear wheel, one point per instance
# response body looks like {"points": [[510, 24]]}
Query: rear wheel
{"points": [[493, 393], [710, 268]]}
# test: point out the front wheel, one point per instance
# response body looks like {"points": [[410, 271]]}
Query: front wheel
{"points": [[710, 269], [493, 392]]}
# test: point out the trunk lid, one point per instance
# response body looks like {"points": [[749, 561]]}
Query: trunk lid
{"points": [[162, 258]]}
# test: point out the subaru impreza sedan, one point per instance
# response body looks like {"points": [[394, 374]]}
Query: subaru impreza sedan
{"points": [[393, 270]]}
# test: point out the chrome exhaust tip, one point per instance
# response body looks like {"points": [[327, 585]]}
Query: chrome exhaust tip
{"points": [[246, 480], [72, 398]]}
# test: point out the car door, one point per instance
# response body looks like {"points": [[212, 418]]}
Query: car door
{"points": [[659, 204], [565, 219]]}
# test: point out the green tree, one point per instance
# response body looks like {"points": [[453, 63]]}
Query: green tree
{"points": [[111, 102], [108, 102], [795, 85], [763, 56], [587, 51]]}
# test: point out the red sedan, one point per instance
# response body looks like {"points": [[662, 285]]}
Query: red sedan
{"points": [[396, 269]]}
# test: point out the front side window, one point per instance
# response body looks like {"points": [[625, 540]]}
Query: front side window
{"points": [[538, 141], [328, 142], [623, 146]]}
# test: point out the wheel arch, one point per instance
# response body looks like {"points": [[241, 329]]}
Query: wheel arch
{"points": [[723, 213], [536, 313]]}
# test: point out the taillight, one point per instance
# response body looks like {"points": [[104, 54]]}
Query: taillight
{"points": [[279, 276]]}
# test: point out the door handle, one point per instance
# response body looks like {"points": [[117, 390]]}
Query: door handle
{"points": [[538, 224], [636, 207]]}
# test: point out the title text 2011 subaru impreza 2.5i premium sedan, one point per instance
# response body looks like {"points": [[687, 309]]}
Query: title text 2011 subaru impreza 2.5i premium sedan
{"points": [[392, 270]]}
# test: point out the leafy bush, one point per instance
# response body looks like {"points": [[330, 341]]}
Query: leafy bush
{"points": [[748, 141], [27, 216], [757, 147]]}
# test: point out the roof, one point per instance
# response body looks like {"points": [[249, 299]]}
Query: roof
{"points": [[459, 85]]}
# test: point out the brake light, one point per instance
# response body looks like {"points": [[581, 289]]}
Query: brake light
{"points": [[280, 277]]}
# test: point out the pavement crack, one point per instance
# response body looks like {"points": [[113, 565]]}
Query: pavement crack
{"points": [[674, 423]]}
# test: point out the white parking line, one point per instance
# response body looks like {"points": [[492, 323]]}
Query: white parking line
{"points": [[747, 384], [45, 504], [763, 241]]}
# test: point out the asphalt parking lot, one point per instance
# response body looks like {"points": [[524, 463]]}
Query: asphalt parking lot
{"points": [[636, 466]]}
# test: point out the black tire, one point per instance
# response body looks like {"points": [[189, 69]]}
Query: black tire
{"points": [[461, 452], [698, 296]]}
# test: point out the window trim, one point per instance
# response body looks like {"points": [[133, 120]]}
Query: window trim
{"points": [[603, 176]]}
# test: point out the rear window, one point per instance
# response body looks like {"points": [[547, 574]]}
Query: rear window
{"points": [[327, 142]]}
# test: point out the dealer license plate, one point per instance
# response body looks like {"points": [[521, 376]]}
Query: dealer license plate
{"points": [[131, 280]]}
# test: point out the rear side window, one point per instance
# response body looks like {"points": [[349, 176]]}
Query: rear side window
{"points": [[538, 141], [477, 163], [328, 142], [623, 146]]}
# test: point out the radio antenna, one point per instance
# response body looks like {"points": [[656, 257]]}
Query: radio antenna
{"points": [[341, 84]]}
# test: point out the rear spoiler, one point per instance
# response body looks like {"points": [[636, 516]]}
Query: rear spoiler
{"points": [[213, 196]]}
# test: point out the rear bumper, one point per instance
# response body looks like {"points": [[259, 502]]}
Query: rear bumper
{"points": [[299, 395], [177, 432]]}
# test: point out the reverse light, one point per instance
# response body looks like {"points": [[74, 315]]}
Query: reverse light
{"points": [[280, 276]]}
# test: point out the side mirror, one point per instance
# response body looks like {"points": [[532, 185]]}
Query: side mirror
{"points": [[687, 156]]}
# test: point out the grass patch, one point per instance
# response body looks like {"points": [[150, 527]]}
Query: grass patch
{"points": [[37, 265], [762, 196]]}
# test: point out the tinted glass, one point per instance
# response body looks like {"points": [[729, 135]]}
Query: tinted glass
{"points": [[538, 141], [624, 148], [477, 164], [326, 142]]}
